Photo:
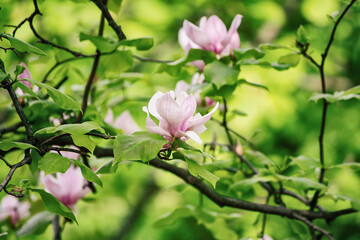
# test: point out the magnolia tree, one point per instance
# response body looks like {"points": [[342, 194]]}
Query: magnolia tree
{"points": [[63, 140]]}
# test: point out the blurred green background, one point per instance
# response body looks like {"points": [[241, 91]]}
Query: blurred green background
{"points": [[281, 122]]}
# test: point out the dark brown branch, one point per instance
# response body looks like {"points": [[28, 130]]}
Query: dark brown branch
{"points": [[56, 227], [43, 40], [100, 4], [6, 162], [325, 102], [68, 150], [224, 201], [92, 73], [314, 227], [8, 177]]}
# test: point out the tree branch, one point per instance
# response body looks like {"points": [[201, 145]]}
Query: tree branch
{"points": [[110, 20]]}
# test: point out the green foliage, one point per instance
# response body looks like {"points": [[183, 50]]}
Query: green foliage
{"points": [[6, 145], [62, 100], [53, 162], [337, 96], [142, 146], [22, 46], [87, 173], [52, 204]]}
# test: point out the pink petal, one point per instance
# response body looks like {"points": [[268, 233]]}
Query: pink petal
{"points": [[126, 123], [152, 127], [181, 86], [188, 107], [202, 23], [199, 121], [215, 29], [233, 30], [109, 118], [152, 104], [169, 110], [196, 35], [194, 136], [200, 64]]}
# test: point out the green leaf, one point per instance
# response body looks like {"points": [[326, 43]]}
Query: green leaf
{"points": [[142, 146], [337, 96], [353, 165], [6, 145], [53, 162], [118, 61], [243, 81], [221, 230], [26, 89], [252, 61], [245, 183], [299, 228], [114, 5], [62, 100], [272, 46], [103, 44], [301, 183], [87, 173], [22, 46], [52, 204], [280, 67], [36, 225], [19, 70], [306, 163], [106, 167], [301, 35], [220, 74], [196, 170], [291, 59], [3, 75], [258, 158], [170, 218], [141, 44], [80, 128], [354, 203], [199, 54], [245, 53]]}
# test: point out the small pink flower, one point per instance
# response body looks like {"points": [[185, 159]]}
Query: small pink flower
{"points": [[196, 79], [211, 35], [11, 207], [124, 122], [176, 116], [68, 187]]}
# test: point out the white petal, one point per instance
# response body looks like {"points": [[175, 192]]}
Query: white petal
{"points": [[194, 136]]}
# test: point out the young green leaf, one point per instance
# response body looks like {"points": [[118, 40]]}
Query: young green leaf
{"points": [[220, 74], [26, 89], [87, 173], [103, 44], [141, 44], [170, 218], [245, 53], [291, 59], [22, 46], [53, 162], [62, 100], [6, 145], [142, 146], [52, 204], [196, 170]]}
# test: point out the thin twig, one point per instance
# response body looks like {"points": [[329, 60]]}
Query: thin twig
{"points": [[313, 226], [325, 102]]}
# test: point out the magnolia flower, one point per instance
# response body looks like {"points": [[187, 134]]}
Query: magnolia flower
{"points": [[175, 116], [124, 122], [196, 79], [211, 35], [24, 75], [67, 187], [11, 207]]}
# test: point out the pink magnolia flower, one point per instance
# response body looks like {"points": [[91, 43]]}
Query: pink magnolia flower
{"points": [[211, 35], [68, 187], [124, 122], [176, 116], [11, 207], [196, 79]]}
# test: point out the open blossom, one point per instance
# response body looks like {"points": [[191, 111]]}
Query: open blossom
{"points": [[11, 207], [124, 122], [211, 35], [176, 116], [68, 187], [196, 79]]}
